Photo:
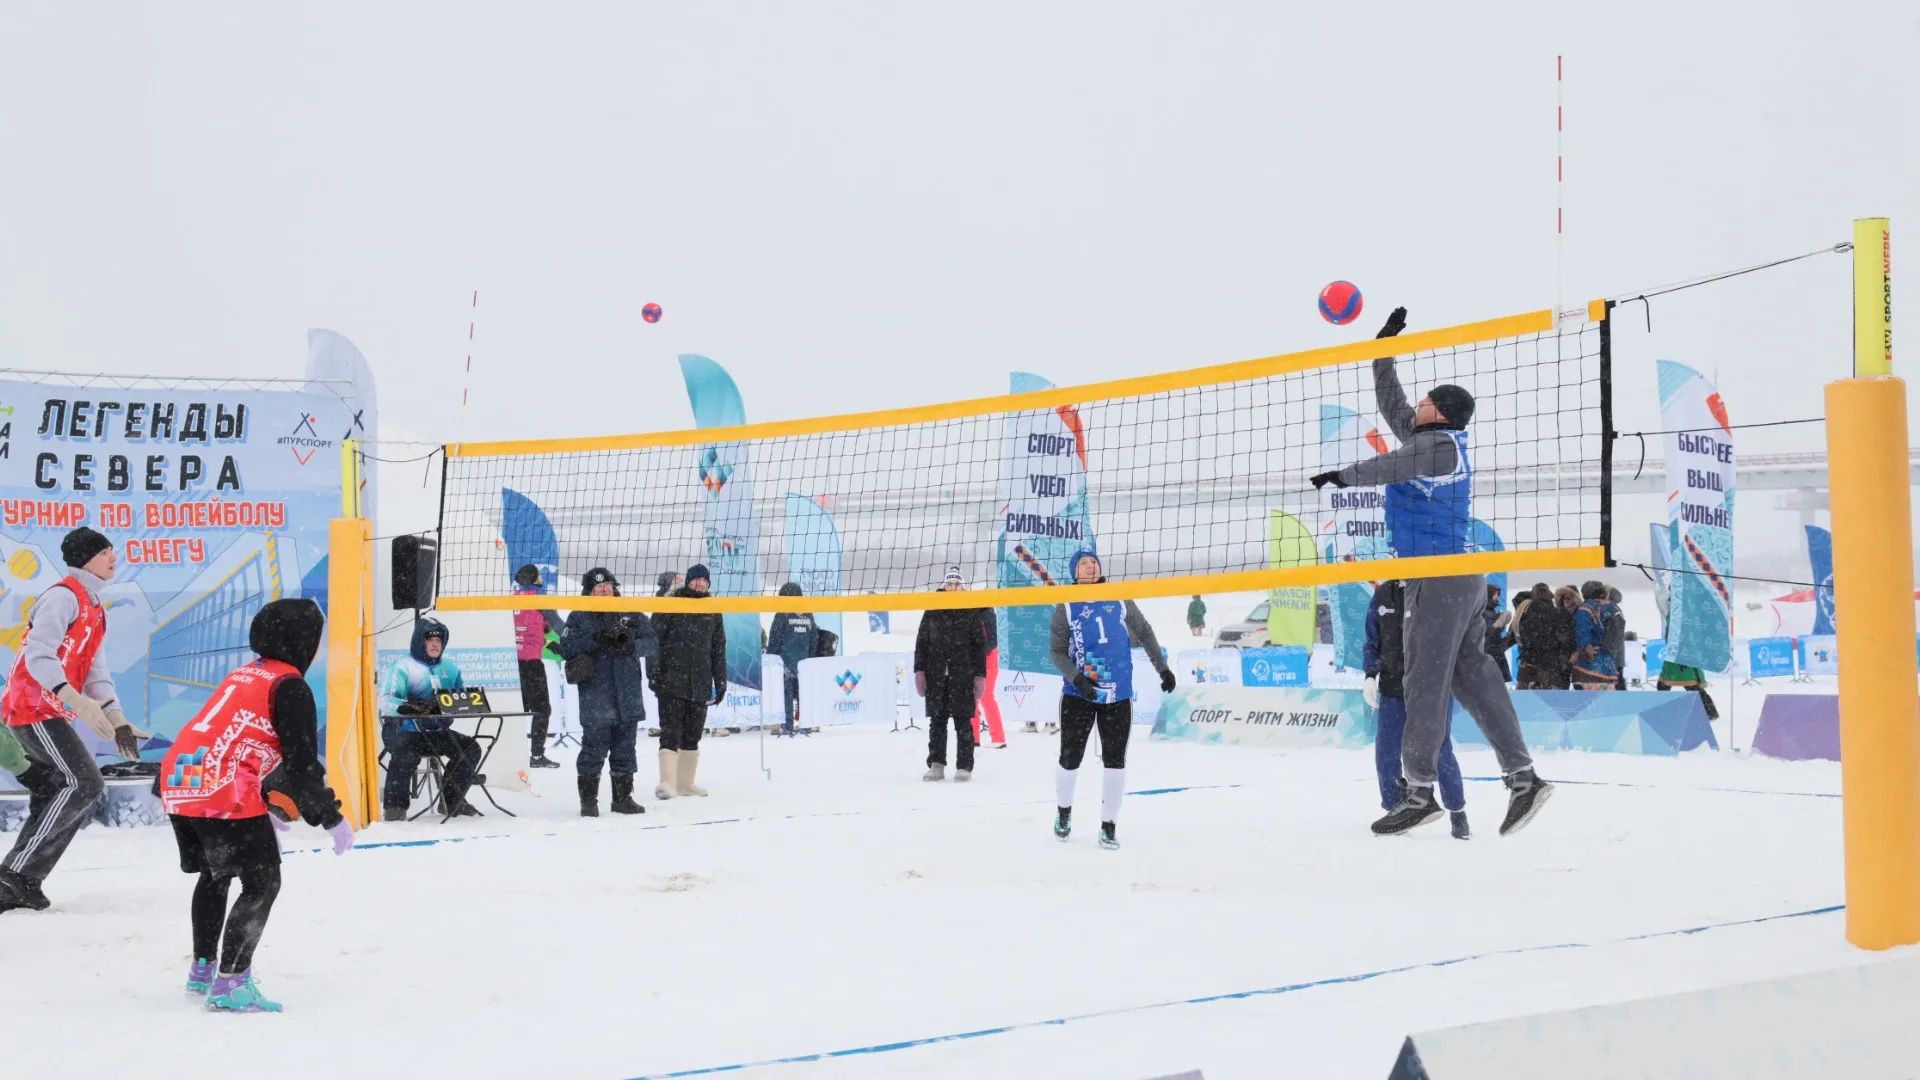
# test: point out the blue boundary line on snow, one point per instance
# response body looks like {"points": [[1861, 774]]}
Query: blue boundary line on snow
{"points": [[429, 841], [1238, 995], [1662, 787]]}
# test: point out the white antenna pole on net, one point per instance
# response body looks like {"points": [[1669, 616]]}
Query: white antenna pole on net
{"points": [[1559, 177], [466, 380]]}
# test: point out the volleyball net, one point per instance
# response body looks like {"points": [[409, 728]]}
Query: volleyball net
{"points": [[1191, 481]]}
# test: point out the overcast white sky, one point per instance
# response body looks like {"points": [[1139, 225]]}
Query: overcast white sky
{"points": [[856, 206]]}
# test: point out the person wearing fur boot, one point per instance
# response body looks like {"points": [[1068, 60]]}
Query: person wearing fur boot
{"points": [[691, 675]]}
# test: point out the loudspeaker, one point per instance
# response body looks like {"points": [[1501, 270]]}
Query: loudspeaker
{"points": [[415, 559]]}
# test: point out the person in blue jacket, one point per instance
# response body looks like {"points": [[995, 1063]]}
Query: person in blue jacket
{"points": [[1382, 660], [613, 701], [412, 692], [793, 637], [1593, 663]]}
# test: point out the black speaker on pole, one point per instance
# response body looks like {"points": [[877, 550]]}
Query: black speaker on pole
{"points": [[415, 559]]}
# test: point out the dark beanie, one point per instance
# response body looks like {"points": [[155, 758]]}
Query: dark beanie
{"points": [[791, 588], [527, 576], [599, 575], [80, 546], [1453, 402], [698, 570]]}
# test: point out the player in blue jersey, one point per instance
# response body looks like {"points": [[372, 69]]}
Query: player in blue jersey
{"points": [[1429, 482], [1092, 645]]}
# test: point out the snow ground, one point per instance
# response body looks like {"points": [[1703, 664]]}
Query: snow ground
{"points": [[845, 903]]}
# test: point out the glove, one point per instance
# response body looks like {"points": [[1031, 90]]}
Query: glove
{"points": [[1325, 478], [1396, 322], [410, 708], [88, 711], [1085, 687], [979, 686], [1371, 691], [920, 683], [1167, 682], [126, 743], [342, 833]]}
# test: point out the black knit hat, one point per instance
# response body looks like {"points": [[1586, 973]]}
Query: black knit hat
{"points": [[80, 546], [698, 571], [527, 576], [1454, 403], [791, 588], [599, 575]]}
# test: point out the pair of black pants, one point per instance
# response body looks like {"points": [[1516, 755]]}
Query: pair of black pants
{"points": [[962, 737], [1078, 718], [461, 759], [220, 850], [790, 680], [607, 740], [534, 699], [682, 720], [67, 787]]}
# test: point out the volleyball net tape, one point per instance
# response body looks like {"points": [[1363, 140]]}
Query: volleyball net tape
{"points": [[1187, 482]]}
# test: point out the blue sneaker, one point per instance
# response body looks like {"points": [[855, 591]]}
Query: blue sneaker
{"points": [[239, 993], [200, 978]]}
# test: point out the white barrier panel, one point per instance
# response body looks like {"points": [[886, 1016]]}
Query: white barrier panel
{"points": [[1321, 671], [1028, 697], [1266, 716], [1207, 667], [904, 691], [848, 690], [1147, 694], [1851, 1022]]}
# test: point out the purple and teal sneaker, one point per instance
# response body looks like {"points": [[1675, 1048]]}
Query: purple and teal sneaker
{"points": [[239, 993], [200, 977]]}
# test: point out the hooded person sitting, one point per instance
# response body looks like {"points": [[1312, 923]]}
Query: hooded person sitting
{"points": [[412, 693], [251, 751]]}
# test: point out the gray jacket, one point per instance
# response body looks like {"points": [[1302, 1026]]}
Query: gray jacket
{"points": [[1427, 451], [1139, 632], [53, 614]]}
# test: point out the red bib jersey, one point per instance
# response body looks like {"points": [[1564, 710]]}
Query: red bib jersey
{"points": [[26, 701], [213, 769]]}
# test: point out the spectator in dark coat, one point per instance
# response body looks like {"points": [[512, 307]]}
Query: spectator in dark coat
{"points": [[1617, 638], [1536, 630], [950, 671], [1499, 637], [793, 638], [1384, 661], [692, 675], [1592, 662], [612, 704]]}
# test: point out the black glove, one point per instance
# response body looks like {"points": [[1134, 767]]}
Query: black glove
{"points": [[1325, 478], [1085, 687], [1396, 322], [411, 708], [606, 636], [1166, 682]]}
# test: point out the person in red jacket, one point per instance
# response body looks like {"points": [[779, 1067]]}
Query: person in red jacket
{"points": [[59, 678], [250, 752], [530, 641]]}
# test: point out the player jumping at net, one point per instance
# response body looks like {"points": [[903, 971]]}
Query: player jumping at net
{"points": [[1429, 496], [1092, 646]]}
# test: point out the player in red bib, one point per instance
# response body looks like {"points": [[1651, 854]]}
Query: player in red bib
{"points": [[251, 751], [60, 677]]}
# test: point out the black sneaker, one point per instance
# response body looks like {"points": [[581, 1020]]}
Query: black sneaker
{"points": [[542, 761], [1417, 807], [20, 891], [1063, 822], [1526, 794], [1107, 839], [1459, 820]]}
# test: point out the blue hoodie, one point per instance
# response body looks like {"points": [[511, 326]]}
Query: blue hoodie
{"points": [[416, 679]]}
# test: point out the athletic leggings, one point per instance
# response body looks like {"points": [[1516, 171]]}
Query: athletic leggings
{"points": [[243, 925], [1078, 717]]}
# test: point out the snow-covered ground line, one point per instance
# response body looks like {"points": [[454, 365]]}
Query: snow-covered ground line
{"points": [[846, 904]]}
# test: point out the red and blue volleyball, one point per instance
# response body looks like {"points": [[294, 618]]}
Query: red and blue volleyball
{"points": [[1340, 303], [651, 312]]}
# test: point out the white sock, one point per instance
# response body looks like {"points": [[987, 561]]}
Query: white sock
{"points": [[1063, 785], [1113, 782]]}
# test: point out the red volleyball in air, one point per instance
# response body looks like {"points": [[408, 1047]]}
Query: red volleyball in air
{"points": [[1340, 303], [652, 312]]}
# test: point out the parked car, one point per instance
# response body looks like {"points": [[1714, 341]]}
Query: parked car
{"points": [[1248, 633]]}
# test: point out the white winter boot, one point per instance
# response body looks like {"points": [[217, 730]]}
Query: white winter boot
{"points": [[669, 774], [689, 765], [935, 772]]}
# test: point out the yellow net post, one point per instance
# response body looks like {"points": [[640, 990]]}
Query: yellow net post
{"points": [[352, 745], [1873, 591]]}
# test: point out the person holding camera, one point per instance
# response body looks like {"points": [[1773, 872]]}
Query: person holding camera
{"points": [[413, 693], [692, 675], [603, 650]]}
